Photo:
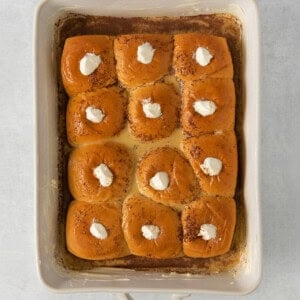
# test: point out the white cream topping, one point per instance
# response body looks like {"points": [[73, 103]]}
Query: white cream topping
{"points": [[211, 166], [159, 181], [208, 232], [145, 53], [204, 107], [104, 175], [89, 63], [98, 231], [202, 56], [151, 110], [94, 115], [150, 232]]}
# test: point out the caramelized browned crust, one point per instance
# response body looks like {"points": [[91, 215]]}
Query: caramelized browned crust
{"points": [[221, 92], [183, 185], [112, 103], [218, 211], [131, 72], [139, 211], [74, 49], [220, 146], [82, 243], [82, 182], [149, 129], [185, 65]]}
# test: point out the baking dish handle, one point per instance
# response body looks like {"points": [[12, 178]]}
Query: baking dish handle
{"points": [[127, 296]]}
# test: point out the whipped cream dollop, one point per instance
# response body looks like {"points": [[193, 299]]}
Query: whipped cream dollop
{"points": [[94, 115], [208, 232], [204, 107], [151, 110], [89, 63], [211, 166], [159, 181], [202, 56], [150, 232], [145, 53], [98, 231], [104, 175]]}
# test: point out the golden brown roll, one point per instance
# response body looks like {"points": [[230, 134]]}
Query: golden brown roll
{"points": [[142, 58], [208, 106], [153, 111], [151, 229], [92, 116], [87, 63], [99, 173], [94, 231], [214, 160], [165, 176], [200, 56], [208, 226]]}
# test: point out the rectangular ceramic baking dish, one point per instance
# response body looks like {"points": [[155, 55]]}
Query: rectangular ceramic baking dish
{"points": [[52, 274]]}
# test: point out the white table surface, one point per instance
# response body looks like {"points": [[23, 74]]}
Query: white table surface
{"points": [[280, 156]]}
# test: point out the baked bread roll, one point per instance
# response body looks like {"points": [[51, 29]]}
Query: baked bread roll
{"points": [[165, 176], [214, 160], [200, 56], [92, 116], [208, 226], [94, 231], [142, 58], [99, 173], [87, 63], [151, 229], [153, 111], [208, 106]]}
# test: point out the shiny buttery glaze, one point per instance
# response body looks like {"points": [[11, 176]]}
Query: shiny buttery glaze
{"points": [[149, 129], [82, 244], [221, 92], [82, 131], [82, 182], [221, 146], [220, 212], [183, 186], [131, 72], [138, 211], [185, 65], [75, 48]]}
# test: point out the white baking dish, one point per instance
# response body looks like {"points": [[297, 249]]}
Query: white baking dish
{"points": [[119, 280]]}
